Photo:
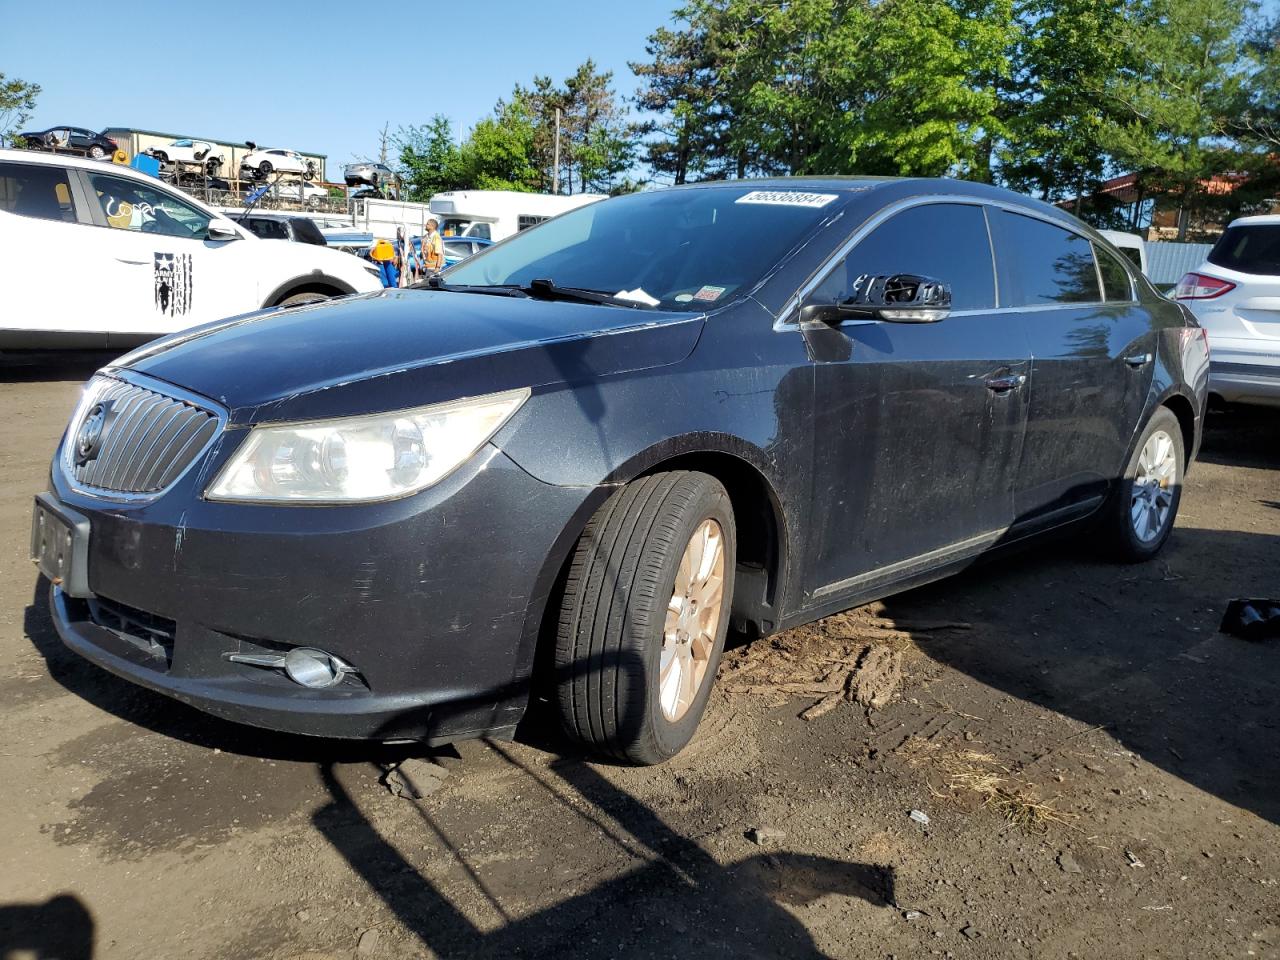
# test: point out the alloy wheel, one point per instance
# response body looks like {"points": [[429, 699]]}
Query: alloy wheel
{"points": [[692, 621], [1153, 482]]}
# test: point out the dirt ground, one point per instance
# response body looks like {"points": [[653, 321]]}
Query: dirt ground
{"points": [[1098, 766]]}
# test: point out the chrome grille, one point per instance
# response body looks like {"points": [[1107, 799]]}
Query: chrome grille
{"points": [[147, 441]]}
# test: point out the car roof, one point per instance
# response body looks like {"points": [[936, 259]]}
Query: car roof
{"points": [[1261, 219]]}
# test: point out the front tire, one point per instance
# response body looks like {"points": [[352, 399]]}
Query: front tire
{"points": [[264, 170], [1140, 513], [644, 616], [309, 296]]}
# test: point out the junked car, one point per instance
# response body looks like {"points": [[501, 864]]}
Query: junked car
{"points": [[566, 466], [209, 156], [261, 164]]}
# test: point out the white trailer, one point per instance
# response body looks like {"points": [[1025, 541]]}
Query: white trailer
{"points": [[498, 214], [382, 217]]}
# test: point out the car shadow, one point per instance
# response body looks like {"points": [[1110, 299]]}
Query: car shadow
{"points": [[1242, 436], [1131, 649], [48, 366]]}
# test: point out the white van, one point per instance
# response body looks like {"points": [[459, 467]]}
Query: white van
{"points": [[1131, 245], [498, 214], [98, 255]]}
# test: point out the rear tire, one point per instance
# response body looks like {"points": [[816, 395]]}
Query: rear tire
{"points": [[96, 152], [644, 615], [1139, 515], [264, 170]]}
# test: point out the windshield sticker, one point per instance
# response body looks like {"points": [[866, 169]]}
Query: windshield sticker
{"points": [[709, 293], [787, 198], [173, 283]]}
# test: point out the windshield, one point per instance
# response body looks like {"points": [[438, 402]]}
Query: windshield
{"points": [[672, 249], [1249, 248]]}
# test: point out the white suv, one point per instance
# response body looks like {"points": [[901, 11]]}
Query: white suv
{"points": [[1235, 295], [98, 255]]}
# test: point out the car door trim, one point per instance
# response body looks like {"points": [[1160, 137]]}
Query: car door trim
{"points": [[912, 565]]}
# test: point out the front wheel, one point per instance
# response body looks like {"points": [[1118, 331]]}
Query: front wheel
{"points": [[644, 616], [1139, 516], [264, 170]]}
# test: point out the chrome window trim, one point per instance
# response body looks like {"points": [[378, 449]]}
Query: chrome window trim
{"points": [[785, 319], [155, 386]]}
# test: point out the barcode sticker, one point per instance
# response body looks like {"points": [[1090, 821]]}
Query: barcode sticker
{"points": [[787, 198]]}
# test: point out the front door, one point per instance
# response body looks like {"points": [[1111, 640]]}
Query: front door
{"points": [[1093, 355], [167, 274], [918, 426]]}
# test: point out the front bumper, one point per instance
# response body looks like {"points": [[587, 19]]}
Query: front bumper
{"points": [[435, 599]]}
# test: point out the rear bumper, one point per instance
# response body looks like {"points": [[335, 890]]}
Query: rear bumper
{"points": [[1245, 382]]}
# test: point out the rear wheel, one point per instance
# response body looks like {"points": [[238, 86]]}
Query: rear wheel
{"points": [[264, 170], [96, 152], [644, 615], [1139, 517], [309, 296]]}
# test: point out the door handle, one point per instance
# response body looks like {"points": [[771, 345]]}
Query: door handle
{"points": [[1005, 382], [134, 263], [1138, 360]]}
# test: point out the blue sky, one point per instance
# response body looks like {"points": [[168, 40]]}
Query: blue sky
{"points": [[311, 76]]}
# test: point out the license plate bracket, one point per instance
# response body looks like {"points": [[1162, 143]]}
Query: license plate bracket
{"points": [[60, 545]]}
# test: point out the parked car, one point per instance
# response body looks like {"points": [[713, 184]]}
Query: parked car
{"points": [[202, 152], [595, 445], [367, 172], [282, 226], [261, 164], [1235, 295], [299, 191], [146, 258], [457, 249], [71, 140]]}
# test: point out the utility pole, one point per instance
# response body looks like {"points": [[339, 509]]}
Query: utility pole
{"points": [[555, 164]]}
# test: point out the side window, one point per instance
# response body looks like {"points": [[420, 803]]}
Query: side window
{"points": [[267, 229], [36, 190], [480, 230], [1116, 282], [129, 205], [1043, 264], [944, 241]]}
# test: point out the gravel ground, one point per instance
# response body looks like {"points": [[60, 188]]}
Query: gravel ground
{"points": [[1097, 765]]}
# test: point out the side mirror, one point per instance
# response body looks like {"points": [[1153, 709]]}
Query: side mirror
{"points": [[220, 232], [898, 298]]}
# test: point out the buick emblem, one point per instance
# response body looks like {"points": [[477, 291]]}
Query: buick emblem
{"points": [[89, 439]]}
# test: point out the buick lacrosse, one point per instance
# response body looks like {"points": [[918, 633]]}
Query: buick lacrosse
{"points": [[569, 465]]}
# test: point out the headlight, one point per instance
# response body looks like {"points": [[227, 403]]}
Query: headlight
{"points": [[359, 459]]}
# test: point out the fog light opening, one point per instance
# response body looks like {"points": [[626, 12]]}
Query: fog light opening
{"points": [[314, 668]]}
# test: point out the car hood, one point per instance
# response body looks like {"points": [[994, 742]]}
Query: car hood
{"points": [[403, 348]]}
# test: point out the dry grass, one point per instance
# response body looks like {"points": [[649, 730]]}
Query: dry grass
{"points": [[974, 774]]}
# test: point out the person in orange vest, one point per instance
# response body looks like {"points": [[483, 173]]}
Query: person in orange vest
{"points": [[432, 249]]}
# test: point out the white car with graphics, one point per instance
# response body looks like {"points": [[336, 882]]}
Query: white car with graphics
{"points": [[97, 255], [262, 164]]}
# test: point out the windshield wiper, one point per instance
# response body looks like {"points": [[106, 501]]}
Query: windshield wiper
{"points": [[492, 289], [547, 289]]}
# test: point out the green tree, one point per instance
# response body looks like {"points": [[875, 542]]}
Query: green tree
{"points": [[1169, 102], [430, 159], [17, 100], [498, 153]]}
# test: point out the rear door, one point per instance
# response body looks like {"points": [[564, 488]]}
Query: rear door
{"points": [[918, 426], [1092, 362], [165, 273]]}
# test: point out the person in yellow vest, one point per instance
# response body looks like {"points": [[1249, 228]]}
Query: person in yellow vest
{"points": [[432, 249]]}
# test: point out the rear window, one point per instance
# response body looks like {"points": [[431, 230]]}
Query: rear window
{"points": [[1043, 264], [36, 190], [267, 229], [1249, 248], [307, 232]]}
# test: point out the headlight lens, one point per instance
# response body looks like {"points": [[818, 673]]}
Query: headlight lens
{"points": [[357, 459]]}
